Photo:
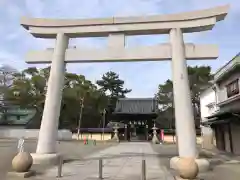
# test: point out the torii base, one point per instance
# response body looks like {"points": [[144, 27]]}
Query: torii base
{"points": [[203, 164], [52, 159], [21, 174]]}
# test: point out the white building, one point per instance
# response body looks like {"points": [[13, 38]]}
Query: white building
{"points": [[208, 105], [220, 109]]}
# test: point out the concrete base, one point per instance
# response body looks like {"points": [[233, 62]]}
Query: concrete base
{"points": [[21, 174], [45, 158], [203, 164]]}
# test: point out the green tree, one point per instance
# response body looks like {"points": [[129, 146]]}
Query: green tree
{"points": [[199, 77], [165, 100], [28, 91], [6, 78], [165, 95], [114, 86], [81, 93], [6, 75], [111, 83]]}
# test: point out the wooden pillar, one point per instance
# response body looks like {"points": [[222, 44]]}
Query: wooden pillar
{"points": [[125, 132], [230, 137]]}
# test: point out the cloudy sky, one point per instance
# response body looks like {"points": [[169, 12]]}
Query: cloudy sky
{"points": [[15, 41]]}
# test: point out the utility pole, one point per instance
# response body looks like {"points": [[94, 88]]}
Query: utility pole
{"points": [[104, 114], [80, 118]]}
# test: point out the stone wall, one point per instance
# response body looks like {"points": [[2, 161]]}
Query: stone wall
{"points": [[94, 136], [172, 139], [31, 134]]}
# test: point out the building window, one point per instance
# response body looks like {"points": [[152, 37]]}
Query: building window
{"points": [[232, 88], [211, 108]]}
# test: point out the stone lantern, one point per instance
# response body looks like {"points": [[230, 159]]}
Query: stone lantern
{"points": [[115, 137], [146, 132], [155, 139]]}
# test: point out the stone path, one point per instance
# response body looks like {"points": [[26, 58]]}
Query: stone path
{"points": [[122, 161]]}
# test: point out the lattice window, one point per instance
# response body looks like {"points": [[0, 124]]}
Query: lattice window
{"points": [[232, 88]]}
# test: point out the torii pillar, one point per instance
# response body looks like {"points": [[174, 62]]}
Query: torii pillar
{"points": [[49, 126], [116, 29], [182, 97]]}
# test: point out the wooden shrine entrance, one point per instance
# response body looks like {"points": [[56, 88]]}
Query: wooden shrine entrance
{"points": [[138, 115]]}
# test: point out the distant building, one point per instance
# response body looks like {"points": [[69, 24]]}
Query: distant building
{"points": [[16, 117], [220, 108], [138, 115], [12, 116]]}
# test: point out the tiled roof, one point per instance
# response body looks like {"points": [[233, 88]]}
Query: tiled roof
{"points": [[136, 106], [229, 66]]}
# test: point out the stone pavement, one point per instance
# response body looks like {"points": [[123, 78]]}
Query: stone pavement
{"points": [[122, 161]]}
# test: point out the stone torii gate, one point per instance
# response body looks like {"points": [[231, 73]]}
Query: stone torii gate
{"points": [[115, 29]]}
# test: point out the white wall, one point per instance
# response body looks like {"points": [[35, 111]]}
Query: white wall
{"points": [[31, 134], [207, 97]]}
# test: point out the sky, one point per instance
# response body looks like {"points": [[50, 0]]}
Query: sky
{"points": [[142, 77]]}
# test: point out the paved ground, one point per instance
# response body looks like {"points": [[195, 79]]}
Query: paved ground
{"points": [[122, 161], [165, 152], [72, 150], [222, 166]]}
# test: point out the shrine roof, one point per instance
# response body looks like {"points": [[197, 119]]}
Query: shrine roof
{"points": [[136, 106]]}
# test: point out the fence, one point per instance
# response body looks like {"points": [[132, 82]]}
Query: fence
{"points": [[60, 169]]}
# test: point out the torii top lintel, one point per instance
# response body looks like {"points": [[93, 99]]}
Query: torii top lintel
{"points": [[194, 21]]}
